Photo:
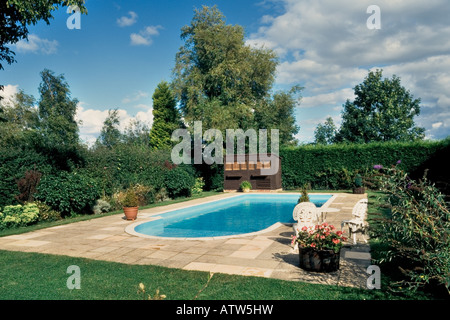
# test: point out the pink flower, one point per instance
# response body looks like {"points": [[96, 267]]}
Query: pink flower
{"points": [[339, 233], [304, 228], [336, 241], [313, 245]]}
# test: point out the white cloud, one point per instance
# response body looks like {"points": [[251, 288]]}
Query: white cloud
{"points": [[127, 21], [336, 98], [135, 97], [92, 120], [35, 44], [144, 37], [9, 92], [437, 125], [326, 47]]}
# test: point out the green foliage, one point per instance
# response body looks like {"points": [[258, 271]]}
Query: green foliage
{"points": [[166, 117], [130, 199], [101, 206], [15, 162], [358, 181], [415, 230], [217, 77], [110, 134], [68, 193], [46, 213], [325, 133], [335, 166], [18, 215], [245, 185], [57, 134], [198, 186], [179, 181], [383, 110], [304, 197]]}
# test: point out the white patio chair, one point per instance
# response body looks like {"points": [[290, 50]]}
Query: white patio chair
{"points": [[358, 223], [306, 214]]}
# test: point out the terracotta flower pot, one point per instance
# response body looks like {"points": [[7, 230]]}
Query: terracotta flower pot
{"points": [[131, 212], [319, 260]]}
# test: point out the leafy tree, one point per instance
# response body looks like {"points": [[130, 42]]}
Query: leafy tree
{"points": [[217, 78], [166, 117], [383, 110], [58, 130], [20, 118], [325, 133], [17, 15], [137, 133], [110, 134]]}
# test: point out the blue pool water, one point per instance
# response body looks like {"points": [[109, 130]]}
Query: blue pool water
{"points": [[237, 215]]}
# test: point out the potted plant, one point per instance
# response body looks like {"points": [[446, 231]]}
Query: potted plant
{"points": [[130, 204], [358, 185], [246, 186], [319, 247]]}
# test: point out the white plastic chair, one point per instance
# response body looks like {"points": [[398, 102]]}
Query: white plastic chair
{"points": [[358, 223], [306, 215]]}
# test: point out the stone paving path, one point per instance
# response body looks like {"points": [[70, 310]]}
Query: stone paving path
{"points": [[266, 254]]}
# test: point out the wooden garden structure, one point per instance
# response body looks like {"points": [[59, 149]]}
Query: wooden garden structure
{"points": [[236, 172]]}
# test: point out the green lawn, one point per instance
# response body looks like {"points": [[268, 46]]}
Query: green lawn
{"points": [[29, 276]]}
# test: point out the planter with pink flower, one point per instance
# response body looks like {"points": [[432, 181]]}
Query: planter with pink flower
{"points": [[319, 247]]}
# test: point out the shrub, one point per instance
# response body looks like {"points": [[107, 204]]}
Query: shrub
{"points": [[28, 186], [245, 185], [161, 195], [179, 182], [101, 206], [46, 213], [130, 199], [416, 230], [198, 186], [304, 197], [68, 193], [18, 215]]}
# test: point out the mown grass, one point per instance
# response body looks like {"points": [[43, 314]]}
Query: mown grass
{"points": [[34, 276]]}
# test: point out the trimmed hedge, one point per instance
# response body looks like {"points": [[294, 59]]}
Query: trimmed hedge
{"points": [[335, 166]]}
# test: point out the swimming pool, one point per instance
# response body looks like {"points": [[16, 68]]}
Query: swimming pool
{"points": [[238, 215]]}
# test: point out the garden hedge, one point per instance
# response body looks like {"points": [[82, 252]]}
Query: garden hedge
{"points": [[335, 166]]}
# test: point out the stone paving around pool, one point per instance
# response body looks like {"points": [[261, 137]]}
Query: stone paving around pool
{"points": [[266, 254]]}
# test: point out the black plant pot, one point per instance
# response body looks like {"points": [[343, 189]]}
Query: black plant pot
{"points": [[319, 260]]}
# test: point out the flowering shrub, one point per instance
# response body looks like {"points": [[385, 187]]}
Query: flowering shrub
{"points": [[320, 237]]}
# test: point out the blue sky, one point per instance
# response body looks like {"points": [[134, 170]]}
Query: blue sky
{"points": [[125, 48]]}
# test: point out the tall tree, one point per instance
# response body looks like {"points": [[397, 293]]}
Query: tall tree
{"points": [[110, 134], [217, 78], [325, 133], [166, 117], [20, 118], [137, 132], [383, 110], [58, 128]]}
